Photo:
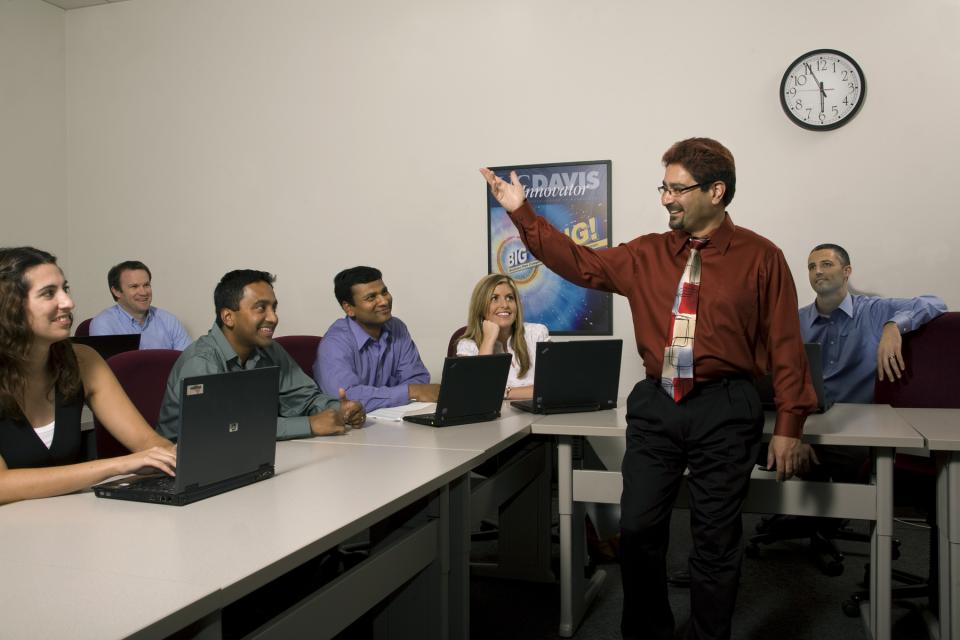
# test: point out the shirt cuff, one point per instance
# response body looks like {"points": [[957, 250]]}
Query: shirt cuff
{"points": [[400, 395], [295, 427], [903, 322], [789, 425], [524, 214]]}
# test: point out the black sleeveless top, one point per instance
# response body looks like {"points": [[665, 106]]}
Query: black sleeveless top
{"points": [[21, 447]]}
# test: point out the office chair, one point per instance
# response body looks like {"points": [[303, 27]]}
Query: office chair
{"points": [[303, 349], [454, 339], [83, 329], [143, 376], [487, 486], [931, 379], [822, 534]]}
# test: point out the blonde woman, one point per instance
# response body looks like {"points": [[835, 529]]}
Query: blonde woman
{"points": [[495, 325]]}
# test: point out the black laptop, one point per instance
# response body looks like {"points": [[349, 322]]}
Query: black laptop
{"points": [[471, 390], [814, 353], [228, 431], [574, 376], [110, 345]]}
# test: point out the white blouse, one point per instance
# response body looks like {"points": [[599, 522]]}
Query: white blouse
{"points": [[532, 333], [45, 433]]}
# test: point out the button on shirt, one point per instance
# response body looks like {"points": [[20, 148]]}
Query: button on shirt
{"points": [[851, 334], [373, 372], [212, 353], [160, 330]]}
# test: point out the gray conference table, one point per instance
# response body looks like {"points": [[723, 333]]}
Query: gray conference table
{"points": [[516, 492], [940, 429], [82, 567], [877, 426]]}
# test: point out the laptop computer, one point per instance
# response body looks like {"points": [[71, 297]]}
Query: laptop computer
{"points": [[575, 376], [228, 431], [814, 353], [110, 345], [471, 390]]}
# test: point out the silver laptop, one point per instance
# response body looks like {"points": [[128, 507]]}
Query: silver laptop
{"points": [[228, 431], [574, 376]]}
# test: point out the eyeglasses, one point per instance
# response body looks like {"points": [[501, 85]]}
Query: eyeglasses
{"points": [[676, 191]]}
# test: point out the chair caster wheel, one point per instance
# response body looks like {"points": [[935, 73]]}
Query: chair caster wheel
{"points": [[833, 569], [851, 608]]}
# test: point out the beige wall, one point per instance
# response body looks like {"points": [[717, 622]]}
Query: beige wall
{"points": [[33, 187], [304, 137]]}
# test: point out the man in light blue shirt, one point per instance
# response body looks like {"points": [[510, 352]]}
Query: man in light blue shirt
{"points": [[860, 334], [369, 352], [131, 288], [860, 338]]}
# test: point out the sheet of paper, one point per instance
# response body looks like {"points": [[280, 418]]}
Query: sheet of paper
{"points": [[396, 413]]}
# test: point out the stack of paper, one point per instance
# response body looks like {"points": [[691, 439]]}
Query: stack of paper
{"points": [[396, 413]]}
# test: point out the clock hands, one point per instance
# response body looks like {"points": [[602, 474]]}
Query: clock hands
{"points": [[823, 94]]}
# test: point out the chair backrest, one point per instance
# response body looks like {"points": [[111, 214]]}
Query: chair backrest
{"points": [[932, 375], [143, 376], [303, 349], [83, 329], [454, 339]]}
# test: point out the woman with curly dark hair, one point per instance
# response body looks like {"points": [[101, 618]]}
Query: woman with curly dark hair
{"points": [[44, 381]]}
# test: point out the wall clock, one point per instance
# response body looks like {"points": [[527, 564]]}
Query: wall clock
{"points": [[822, 90]]}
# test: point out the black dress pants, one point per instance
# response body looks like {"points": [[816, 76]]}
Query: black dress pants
{"points": [[714, 432]]}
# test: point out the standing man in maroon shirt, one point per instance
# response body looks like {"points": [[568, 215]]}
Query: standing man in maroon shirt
{"points": [[746, 322]]}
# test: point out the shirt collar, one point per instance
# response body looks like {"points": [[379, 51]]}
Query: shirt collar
{"points": [[127, 315], [362, 337], [847, 305], [227, 349], [813, 315], [719, 239]]}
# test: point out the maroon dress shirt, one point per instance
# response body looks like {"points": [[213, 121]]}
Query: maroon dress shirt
{"points": [[747, 321]]}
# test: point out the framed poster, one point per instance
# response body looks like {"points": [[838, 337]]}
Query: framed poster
{"points": [[575, 198]]}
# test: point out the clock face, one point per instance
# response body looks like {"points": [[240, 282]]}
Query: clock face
{"points": [[822, 90]]}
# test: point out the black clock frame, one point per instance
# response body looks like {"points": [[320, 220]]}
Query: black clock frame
{"points": [[839, 123]]}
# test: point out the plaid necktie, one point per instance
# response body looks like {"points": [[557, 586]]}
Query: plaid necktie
{"points": [[677, 376]]}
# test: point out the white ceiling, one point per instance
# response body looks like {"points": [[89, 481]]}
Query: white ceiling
{"points": [[76, 4]]}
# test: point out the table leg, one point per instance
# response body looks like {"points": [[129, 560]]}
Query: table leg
{"points": [[575, 593], [880, 552], [459, 555], [950, 584]]}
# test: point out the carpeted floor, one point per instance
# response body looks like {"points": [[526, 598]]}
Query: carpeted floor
{"points": [[783, 595]]}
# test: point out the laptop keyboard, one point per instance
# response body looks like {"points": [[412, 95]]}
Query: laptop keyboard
{"points": [[154, 483]]}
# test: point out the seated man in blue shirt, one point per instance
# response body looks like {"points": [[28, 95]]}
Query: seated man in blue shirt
{"points": [[130, 287], [242, 338], [369, 352], [861, 339]]}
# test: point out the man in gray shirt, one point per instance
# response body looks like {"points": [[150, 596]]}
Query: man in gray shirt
{"points": [[242, 338]]}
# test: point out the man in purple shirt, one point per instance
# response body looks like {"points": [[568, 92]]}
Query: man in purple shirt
{"points": [[130, 286], [369, 352]]}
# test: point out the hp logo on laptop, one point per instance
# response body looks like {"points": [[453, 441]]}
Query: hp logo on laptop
{"points": [[233, 427]]}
